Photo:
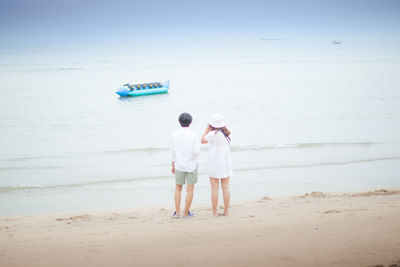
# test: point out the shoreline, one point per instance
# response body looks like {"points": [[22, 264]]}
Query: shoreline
{"points": [[202, 204], [315, 229]]}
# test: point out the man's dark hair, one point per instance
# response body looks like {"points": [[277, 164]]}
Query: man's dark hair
{"points": [[185, 119]]}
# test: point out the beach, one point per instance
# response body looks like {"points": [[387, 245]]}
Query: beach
{"points": [[315, 229], [309, 90]]}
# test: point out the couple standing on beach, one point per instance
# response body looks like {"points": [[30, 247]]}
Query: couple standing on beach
{"points": [[186, 150]]}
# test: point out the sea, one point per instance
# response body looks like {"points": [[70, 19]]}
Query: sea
{"points": [[305, 115]]}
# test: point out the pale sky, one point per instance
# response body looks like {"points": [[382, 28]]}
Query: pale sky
{"points": [[77, 20]]}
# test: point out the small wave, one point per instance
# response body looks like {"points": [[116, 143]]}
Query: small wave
{"points": [[7, 189], [117, 151], [31, 158], [48, 167], [70, 68], [4, 189], [299, 145], [141, 149], [167, 149], [336, 144], [316, 164]]}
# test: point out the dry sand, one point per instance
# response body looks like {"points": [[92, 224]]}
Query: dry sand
{"points": [[316, 229]]}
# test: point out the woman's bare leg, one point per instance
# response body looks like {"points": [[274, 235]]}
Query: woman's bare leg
{"points": [[226, 193], [214, 182]]}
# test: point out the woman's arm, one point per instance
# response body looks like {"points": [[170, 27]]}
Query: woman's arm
{"points": [[203, 138]]}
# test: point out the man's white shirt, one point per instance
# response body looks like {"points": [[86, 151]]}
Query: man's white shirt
{"points": [[185, 149]]}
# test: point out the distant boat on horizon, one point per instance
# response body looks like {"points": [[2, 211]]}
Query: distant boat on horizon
{"points": [[336, 42], [272, 39]]}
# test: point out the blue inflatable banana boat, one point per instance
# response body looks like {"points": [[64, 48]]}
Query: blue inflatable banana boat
{"points": [[143, 89]]}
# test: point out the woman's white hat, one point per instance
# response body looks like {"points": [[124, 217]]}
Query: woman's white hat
{"points": [[217, 121]]}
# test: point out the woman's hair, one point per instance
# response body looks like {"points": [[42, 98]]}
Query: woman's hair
{"points": [[223, 130]]}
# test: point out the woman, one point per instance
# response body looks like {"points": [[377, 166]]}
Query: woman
{"points": [[219, 160]]}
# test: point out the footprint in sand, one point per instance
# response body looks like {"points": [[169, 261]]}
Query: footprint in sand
{"points": [[84, 217], [331, 211]]}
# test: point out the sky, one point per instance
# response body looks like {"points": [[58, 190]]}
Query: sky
{"points": [[36, 21]]}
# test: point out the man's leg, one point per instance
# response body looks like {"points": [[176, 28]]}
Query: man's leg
{"points": [[189, 198], [178, 191], [226, 193], [191, 181], [214, 194]]}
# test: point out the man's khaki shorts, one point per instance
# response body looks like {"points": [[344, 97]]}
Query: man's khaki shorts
{"points": [[181, 177]]}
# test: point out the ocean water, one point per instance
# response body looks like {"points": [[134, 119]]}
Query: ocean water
{"points": [[305, 116]]}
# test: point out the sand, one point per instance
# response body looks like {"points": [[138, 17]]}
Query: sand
{"points": [[316, 229]]}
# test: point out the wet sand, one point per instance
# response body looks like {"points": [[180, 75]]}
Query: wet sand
{"points": [[316, 229]]}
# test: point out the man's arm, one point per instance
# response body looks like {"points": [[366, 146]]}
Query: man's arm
{"points": [[173, 156]]}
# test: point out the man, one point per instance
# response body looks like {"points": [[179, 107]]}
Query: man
{"points": [[185, 151]]}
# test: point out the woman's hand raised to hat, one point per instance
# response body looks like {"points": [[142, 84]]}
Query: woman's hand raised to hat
{"points": [[208, 129], [203, 139]]}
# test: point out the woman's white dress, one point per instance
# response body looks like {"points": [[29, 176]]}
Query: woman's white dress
{"points": [[219, 155]]}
